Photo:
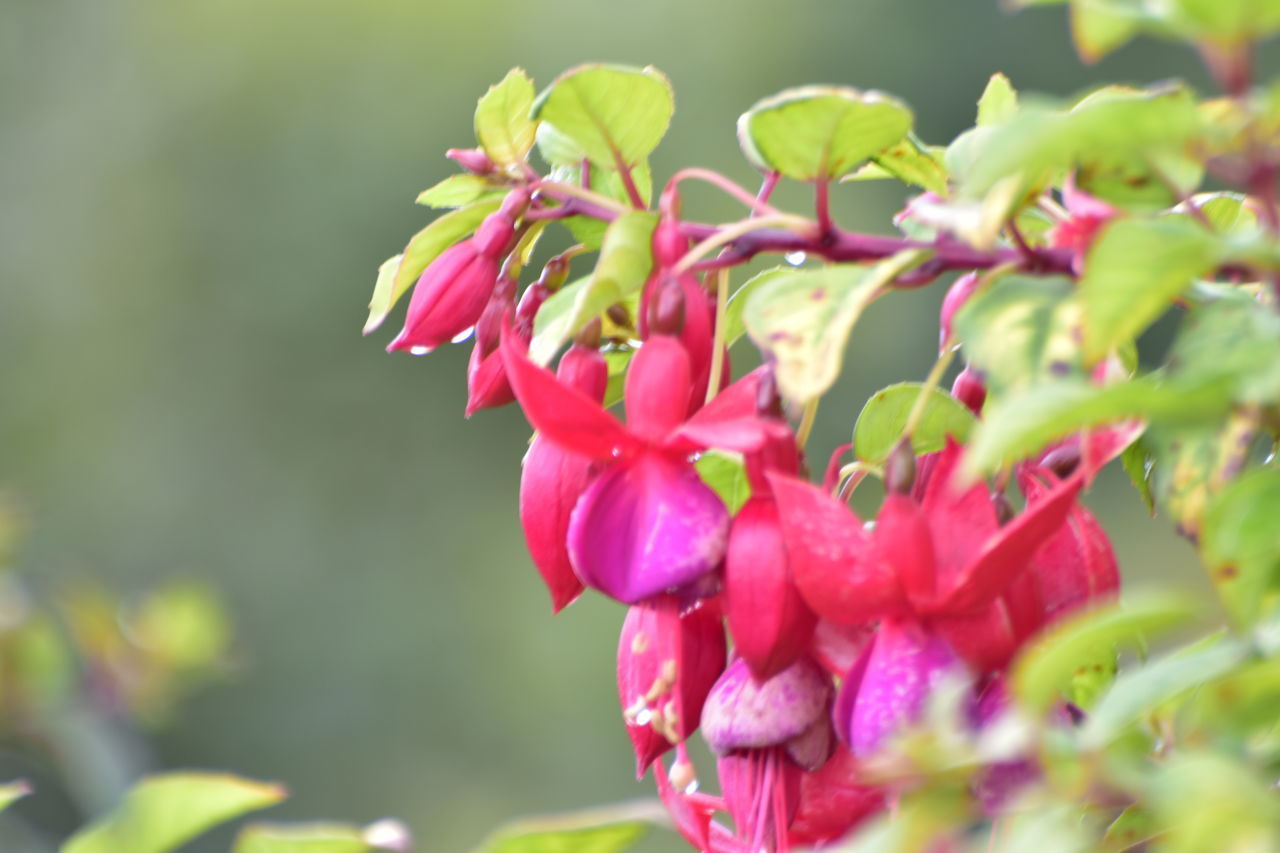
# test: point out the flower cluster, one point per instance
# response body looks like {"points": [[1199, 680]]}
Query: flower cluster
{"points": [[796, 637]]}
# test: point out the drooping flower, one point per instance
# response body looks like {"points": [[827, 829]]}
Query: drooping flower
{"points": [[1087, 215], [647, 523], [766, 735], [668, 661]]}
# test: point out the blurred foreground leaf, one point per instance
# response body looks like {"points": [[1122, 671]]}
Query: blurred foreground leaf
{"points": [[604, 830]]}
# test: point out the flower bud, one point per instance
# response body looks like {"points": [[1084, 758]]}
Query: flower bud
{"points": [[669, 244], [473, 160], [968, 389], [666, 309], [487, 385], [900, 469], [957, 295], [448, 299]]}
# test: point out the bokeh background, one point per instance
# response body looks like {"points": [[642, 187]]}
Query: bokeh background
{"points": [[194, 199]]}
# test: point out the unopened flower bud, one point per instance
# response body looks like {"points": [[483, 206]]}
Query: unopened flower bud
{"points": [[473, 160], [957, 295], [768, 400], [448, 299], [900, 469], [554, 273], [968, 389], [589, 335], [1063, 460], [666, 309], [669, 243]]}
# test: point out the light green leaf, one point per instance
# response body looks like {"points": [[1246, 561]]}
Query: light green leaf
{"points": [[614, 115], [909, 161], [1228, 213], [1213, 801], [1017, 425], [1226, 20], [880, 425], [1134, 272], [163, 812], [300, 838], [803, 317], [1240, 543], [1136, 461], [605, 830], [999, 101], [1192, 461], [725, 473], [457, 191], [1046, 665], [821, 132], [1230, 337], [11, 792], [1039, 143], [503, 125], [423, 248], [1142, 690], [1020, 331], [734, 326], [1100, 26], [625, 260]]}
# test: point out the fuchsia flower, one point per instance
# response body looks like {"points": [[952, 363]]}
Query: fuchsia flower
{"points": [[452, 292], [1087, 215], [766, 734], [667, 663], [647, 523], [947, 581]]}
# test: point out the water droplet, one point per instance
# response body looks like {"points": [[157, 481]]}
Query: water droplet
{"points": [[463, 335], [794, 258], [420, 350], [692, 787], [615, 452], [644, 717]]}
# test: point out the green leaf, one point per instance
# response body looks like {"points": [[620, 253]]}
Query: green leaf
{"points": [[618, 360], [1142, 690], [300, 838], [1240, 543], [1228, 213], [883, 418], [614, 115], [725, 473], [1134, 272], [503, 125], [1191, 463], [1100, 26], [1226, 20], [1020, 331], [163, 812], [803, 317], [11, 792], [625, 260], [457, 191], [1211, 801], [605, 830], [821, 132], [1136, 461], [1039, 143], [734, 325], [1233, 339], [911, 162], [423, 248], [1048, 663], [999, 101]]}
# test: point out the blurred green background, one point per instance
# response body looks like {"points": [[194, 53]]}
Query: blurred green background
{"points": [[194, 198]]}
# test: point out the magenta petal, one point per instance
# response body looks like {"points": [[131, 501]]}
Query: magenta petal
{"points": [[742, 713], [646, 525], [563, 414], [550, 485], [906, 662], [961, 519], [657, 389], [1010, 551]]}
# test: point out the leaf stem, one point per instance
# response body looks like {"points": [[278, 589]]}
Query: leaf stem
{"points": [[756, 203], [561, 191], [930, 383], [730, 233], [629, 182], [822, 205], [807, 418], [721, 278]]}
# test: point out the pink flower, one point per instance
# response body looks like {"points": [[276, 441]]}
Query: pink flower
{"points": [[647, 523]]}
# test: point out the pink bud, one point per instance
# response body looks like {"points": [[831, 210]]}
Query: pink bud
{"points": [[487, 385], [968, 389], [669, 244], [473, 160], [448, 299], [957, 295]]}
